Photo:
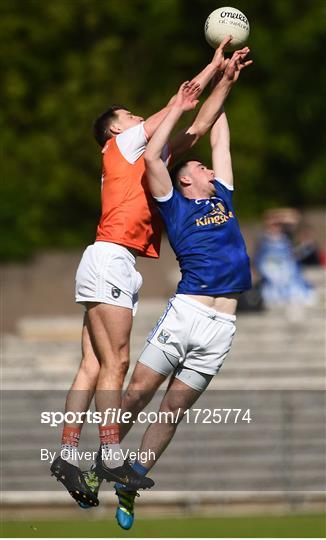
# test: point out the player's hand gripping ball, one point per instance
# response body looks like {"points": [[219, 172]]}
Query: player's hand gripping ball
{"points": [[227, 21]]}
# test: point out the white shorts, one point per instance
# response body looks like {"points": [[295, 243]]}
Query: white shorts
{"points": [[198, 336], [107, 274]]}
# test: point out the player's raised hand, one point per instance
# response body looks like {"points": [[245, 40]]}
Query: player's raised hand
{"points": [[219, 61], [187, 96], [236, 64]]}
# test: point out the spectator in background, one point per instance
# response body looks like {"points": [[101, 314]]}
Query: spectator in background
{"points": [[282, 281], [306, 248]]}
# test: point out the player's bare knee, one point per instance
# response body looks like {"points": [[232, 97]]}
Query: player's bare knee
{"points": [[172, 413], [117, 362], [123, 364], [136, 400], [90, 370], [117, 372], [140, 386]]}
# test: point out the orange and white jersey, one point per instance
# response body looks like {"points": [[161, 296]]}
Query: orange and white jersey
{"points": [[129, 215]]}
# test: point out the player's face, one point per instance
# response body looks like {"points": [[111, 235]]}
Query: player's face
{"points": [[126, 120], [202, 178]]}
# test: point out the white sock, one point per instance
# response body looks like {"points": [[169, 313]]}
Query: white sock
{"points": [[69, 453], [111, 455]]}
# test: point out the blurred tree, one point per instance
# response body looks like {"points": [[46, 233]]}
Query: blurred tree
{"points": [[63, 62]]}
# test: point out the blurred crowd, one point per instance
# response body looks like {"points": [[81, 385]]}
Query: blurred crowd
{"points": [[286, 246]]}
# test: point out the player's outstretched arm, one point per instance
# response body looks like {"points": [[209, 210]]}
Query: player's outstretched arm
{"points": [[236, 65], [211, 108], [215, 67], [221, 154], [158, 178]]}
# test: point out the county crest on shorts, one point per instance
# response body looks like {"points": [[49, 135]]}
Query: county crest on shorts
{"points": [[163, 336], [115, 292]]}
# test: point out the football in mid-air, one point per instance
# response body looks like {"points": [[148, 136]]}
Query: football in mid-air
{"points": [[227, 21]]}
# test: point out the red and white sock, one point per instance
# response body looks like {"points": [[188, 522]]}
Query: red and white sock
{"points": [[69, 444], [110, 447]]}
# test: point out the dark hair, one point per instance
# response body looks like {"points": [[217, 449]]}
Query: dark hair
{"points": [[175, 172], [103, 122]]}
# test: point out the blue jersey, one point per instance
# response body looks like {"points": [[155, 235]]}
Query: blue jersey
{"points": [[206, 238]]}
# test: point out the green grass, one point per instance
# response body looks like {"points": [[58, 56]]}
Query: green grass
{"points": [[271, 526]]}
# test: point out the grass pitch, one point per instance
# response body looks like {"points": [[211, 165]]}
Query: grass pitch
{"points": [[196, 527]]}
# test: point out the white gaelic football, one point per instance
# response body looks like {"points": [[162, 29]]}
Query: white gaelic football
{"points": [[227, 21]]}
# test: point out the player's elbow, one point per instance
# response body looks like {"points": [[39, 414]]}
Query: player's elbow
{"points": [[149, 156], [199, 130], [192, 135]]}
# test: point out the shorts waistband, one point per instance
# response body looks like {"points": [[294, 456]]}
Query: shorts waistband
{"points": [[205, 310], [117, 248]]}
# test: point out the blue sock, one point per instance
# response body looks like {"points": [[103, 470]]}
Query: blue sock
{"points": [[140, 469]]}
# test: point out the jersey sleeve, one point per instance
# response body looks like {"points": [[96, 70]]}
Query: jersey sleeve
{"points": [[169, 207], [132, 142], [223, 188]]}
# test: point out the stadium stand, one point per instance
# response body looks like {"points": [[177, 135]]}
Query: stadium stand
{"points": [[276, 368]]}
